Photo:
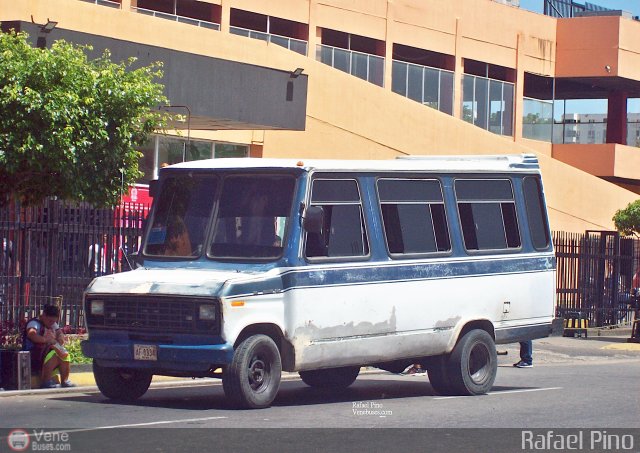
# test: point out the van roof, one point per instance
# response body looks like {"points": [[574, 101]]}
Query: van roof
{"points": [[465, 163]]}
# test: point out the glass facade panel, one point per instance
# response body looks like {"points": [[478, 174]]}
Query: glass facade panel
{"points": [[431, 88], [414, 83], [363, 65], [399, 77], [507, 114], [468, 88], [222, 150], [480, 103], [496, 106], [376, 70], [488, 103], [198, 150], [446, 92], [537, 119], [341, 60], [360, 65]]}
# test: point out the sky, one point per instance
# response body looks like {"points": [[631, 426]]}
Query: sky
{"points": [[632, 6]]}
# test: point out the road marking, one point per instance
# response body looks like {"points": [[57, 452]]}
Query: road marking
{"points": [[502, 393], [623, 346], [134, 425]]}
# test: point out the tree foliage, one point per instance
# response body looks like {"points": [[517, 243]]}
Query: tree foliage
{"points": [[70, 126], [627, 220]]}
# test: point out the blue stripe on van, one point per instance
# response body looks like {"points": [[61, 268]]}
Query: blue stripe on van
{"points": [[332, 275]]}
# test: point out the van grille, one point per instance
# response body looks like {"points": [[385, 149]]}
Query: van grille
{"points": [[158, 314]]}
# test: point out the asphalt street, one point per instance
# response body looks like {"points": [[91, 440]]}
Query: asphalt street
{"points": [[575, 384]]}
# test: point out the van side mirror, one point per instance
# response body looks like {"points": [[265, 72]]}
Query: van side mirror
{"points": [[313, 219]]}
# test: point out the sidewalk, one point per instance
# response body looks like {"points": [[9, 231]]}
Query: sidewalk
{"points": [[599, 344]]}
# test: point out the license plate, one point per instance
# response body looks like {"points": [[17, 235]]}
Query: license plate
{"points": [[145, 352]]}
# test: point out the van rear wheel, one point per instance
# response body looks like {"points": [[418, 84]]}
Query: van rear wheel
{"points": [[252, 379], [438, 377], [473, 364], [339, 378]]}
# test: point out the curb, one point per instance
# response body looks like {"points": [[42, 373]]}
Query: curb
{"points": [[86, 383]]}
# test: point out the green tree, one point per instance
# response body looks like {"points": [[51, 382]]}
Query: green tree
{"points": [[627, 220], [69, 126]]}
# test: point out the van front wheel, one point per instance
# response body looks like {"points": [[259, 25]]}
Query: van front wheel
{"points": [[331, 377], [473, 364], [120, 383], [252, 379]]}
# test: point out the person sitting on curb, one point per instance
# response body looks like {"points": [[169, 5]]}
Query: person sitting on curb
{"points": [[43, 338]]}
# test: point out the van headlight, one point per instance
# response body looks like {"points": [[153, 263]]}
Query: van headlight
{"points": [[97, 307], [207, 312]]}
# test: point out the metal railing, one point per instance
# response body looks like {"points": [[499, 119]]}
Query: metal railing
{"points": [[362, 65], [594, 132], [596, 275], [107, 3], [55, 249], [176, 18], [296, 45], [432, 87]]}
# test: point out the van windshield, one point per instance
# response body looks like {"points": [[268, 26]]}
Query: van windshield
{"points": [[250, 222], [180, 217], [252, 217]]}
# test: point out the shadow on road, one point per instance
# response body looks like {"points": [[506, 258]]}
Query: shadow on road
{"points": [[292, 393]]}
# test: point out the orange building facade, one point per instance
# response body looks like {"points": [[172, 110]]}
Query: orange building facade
{"points": [[386, 78]]}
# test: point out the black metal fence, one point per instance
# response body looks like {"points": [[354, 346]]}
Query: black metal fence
{"points": [[597, 274], [51, 252]]}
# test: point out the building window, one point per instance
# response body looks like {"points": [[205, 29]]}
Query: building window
{"points": [[230, 150], [487, 212], [344, 233], [413, 215], [161, 151], [488, 104], [357, 55]]}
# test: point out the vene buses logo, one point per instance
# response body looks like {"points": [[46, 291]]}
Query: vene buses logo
{"points": [[18, 440]]}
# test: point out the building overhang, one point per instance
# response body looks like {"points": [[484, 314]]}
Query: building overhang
{"points": [[616, 163], [215, 94]]}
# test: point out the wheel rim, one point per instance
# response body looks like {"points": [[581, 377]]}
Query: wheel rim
{"points": [[479, 364], [259, 373]]}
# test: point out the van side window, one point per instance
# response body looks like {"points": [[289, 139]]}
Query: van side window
{"points": [[343, 233], [413, 215], [487, 212], [536, 213]]}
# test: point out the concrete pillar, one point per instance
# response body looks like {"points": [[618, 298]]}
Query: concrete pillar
{"points": [[225, 16], [458, 72], [617, 117], [518, 107], [314, 36], [388, 43], [126, 5]]}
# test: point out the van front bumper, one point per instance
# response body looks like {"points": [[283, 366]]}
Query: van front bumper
{"points": [[171, 358]]}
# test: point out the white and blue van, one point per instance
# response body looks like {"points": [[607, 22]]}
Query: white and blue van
{"points": [[321, 267]]}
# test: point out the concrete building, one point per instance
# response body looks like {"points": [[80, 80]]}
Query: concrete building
{"points": [[380, 78]]}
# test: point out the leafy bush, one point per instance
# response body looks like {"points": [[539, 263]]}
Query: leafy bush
{"points": [[73, 346]]}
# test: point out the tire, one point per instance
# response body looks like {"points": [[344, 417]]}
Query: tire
{"points": [[121, 383], [252, 379], [337, 378], [473, 364], [438, 377]]}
